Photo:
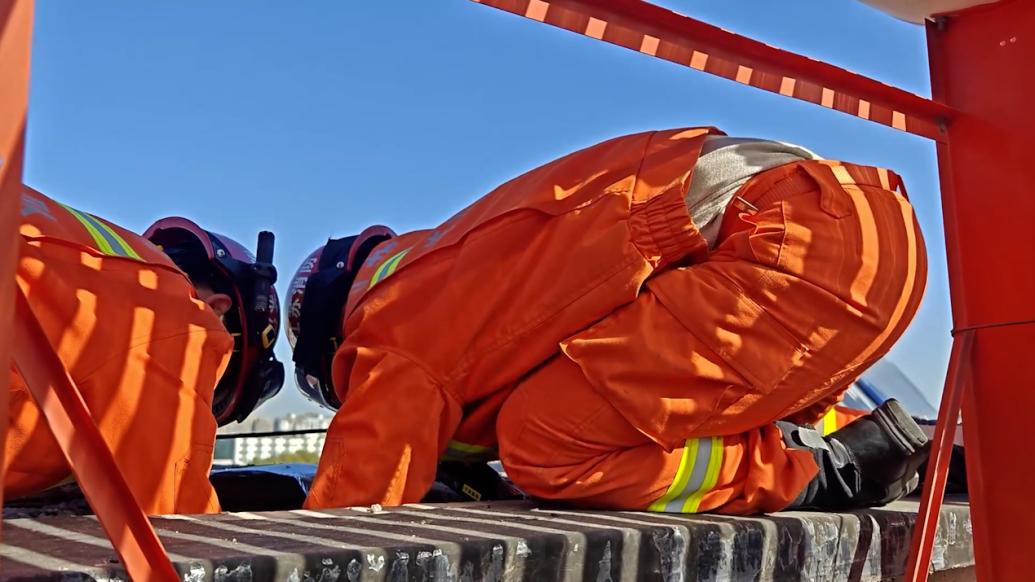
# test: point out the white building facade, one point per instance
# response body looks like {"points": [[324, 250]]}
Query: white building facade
{"points": [[247, 450]]}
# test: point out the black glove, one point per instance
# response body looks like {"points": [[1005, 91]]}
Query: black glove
{"points": [[457, 482]]}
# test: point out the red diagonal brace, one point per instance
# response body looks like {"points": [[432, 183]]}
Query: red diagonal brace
{"points": [[957, 382], [99, 477], [659, 32], [15, 47]]}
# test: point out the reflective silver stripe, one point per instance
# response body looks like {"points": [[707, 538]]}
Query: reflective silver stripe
{"points": [[697, 474], [696, 480]]}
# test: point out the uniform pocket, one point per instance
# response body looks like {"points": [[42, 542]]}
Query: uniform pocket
{"points": [[738, 330], [755, 344]]}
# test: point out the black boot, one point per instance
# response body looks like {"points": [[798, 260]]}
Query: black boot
{"points": [[868, 463]]}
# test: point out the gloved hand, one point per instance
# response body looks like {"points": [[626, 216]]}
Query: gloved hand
{"points": [[456, 482]]}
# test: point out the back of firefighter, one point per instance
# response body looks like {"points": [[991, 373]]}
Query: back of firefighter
{"points": [[145, 352], [622, 343]]}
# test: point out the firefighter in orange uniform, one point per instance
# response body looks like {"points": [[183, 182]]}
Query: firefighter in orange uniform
{"points": [[649, 323], [159, 358]]}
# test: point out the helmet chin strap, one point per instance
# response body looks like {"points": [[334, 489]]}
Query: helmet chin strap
{"points": [[326, 291]]}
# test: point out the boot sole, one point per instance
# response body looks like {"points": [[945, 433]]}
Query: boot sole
{"points": [[899, 425]]}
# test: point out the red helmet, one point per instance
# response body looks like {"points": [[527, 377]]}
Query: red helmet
{"points": [[315, 301], [253, 375]]}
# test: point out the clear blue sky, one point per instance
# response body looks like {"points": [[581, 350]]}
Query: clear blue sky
{"points": [[317, 118]]}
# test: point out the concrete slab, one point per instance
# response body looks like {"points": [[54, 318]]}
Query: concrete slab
{"points": [[499, 542]]}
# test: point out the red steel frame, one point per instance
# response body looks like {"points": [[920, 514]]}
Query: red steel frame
{"points": [[667, 35], [981, 119], [982, 122], [125, 523], [15, 44], [981, 66]]}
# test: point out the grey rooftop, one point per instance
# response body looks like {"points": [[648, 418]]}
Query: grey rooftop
{"points": [[512, 541]]}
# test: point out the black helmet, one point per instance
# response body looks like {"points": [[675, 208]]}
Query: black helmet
{"points": [[253, 375]]}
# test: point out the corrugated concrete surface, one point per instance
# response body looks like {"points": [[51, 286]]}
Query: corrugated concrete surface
{"points": [[499, 542]]}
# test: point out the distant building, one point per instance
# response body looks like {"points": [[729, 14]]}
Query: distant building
{"points": [[246, 450], [262, 424]]}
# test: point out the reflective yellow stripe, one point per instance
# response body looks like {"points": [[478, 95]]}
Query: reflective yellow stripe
{"points": [[697, 474], [686, 465], [388, 267], [126, 249], [829, 422], [107, 240], [468, 448], [459, 451], [710, 479], [98, 238], [393, 263]]}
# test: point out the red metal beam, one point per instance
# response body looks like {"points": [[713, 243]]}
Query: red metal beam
{"points": [[125, 523], [658, 32], [980, 66], [99, 477], [15, 48]]}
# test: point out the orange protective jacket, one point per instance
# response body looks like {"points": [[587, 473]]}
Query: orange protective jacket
{"points": [[441, 326], [145, 353]]}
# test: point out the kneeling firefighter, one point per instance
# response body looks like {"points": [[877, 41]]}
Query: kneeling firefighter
{"points": [[164, 346], [649, 323]]}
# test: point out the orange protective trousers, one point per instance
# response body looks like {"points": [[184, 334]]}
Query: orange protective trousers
{"points": [[144, 352], [576, 320]]}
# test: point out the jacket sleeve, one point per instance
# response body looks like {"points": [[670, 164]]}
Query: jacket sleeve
{"points": [[384, 443]]}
